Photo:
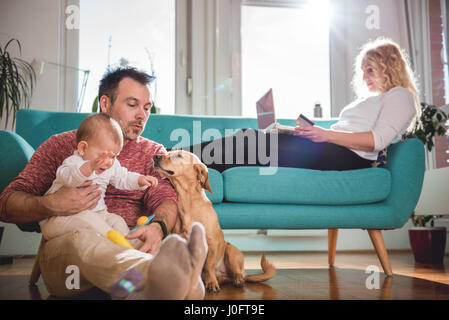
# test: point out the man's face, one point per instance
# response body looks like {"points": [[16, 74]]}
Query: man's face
{"points": [[130, 109]]}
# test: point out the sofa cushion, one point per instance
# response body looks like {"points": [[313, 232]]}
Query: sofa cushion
{"points": [[305, 186], [216, 184]]}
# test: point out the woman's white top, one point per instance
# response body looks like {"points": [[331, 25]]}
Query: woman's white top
{"points": [[387, 116], [69, 175]]}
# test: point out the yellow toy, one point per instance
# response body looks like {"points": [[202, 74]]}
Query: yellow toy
{"points": [[117, 238], [143, 220]]}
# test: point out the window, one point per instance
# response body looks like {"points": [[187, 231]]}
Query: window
{"points": [[445, 54], [279, 51], [445, 15], [141, 34]]}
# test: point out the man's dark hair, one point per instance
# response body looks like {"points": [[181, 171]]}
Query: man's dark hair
{"points": [[111, 79]]}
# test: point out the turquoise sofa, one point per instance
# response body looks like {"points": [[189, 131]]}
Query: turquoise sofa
{"points": [[374, 199]]}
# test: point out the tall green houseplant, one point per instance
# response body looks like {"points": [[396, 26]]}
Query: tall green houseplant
{"points": [[429, 124], [17, 81]]}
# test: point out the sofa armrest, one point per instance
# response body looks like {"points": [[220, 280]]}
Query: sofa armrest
{"points": [[17, 153], [406, 163]]}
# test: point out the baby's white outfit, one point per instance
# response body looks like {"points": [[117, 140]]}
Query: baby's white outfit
{"points": [[98, 219]]}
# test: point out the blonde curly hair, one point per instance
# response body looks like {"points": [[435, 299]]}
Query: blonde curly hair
{"points": [[390, 67]]}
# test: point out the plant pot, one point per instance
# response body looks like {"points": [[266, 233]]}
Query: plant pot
{"points": [[428, 244]]}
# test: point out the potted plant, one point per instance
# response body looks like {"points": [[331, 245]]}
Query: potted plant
{"points": [[17, 81], [428, 243]]}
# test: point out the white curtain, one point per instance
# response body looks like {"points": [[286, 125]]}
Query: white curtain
{"points": [[417, 14], [445, 6]]}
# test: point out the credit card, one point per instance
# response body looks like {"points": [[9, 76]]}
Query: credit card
{"points": [[303, 121]]}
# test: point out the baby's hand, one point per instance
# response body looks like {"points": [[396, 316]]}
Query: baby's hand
{"points": [[103, 162], [148, 181]]}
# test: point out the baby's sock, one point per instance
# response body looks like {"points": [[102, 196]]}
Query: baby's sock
{"points": [[174, 271]]}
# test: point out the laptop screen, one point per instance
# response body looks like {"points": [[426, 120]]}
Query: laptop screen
{"points": [[265, 110]]}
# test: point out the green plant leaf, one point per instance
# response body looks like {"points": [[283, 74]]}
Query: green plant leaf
{"points": [[429, 124], [17, 82], [95, 105]]}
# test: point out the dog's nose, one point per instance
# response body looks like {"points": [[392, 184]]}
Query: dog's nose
{"points": [[157, 158]]}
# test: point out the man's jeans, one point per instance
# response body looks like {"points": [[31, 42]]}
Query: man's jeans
{"points": [[100, 262]]}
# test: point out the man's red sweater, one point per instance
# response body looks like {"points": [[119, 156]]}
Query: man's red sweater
{"points": [[136, 156]]}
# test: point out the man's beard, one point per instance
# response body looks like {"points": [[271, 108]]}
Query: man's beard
{"points": [[131, 133]]}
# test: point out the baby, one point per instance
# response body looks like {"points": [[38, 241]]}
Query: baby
{"points": [[99, 140]]}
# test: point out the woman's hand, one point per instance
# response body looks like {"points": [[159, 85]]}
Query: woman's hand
{"points": [[315, 134], [363, 141]]}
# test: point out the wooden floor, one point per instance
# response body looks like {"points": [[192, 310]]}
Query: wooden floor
{"points": [[304, 276]]}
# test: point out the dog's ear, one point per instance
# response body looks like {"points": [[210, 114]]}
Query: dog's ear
{"points": [[202, 176]]}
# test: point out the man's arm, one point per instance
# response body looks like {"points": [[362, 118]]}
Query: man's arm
{"points": [[22, 207], [22, 200], [163, 204], [167, 213]]}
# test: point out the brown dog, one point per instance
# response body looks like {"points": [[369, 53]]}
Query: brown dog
{"points": [[224, 261]]}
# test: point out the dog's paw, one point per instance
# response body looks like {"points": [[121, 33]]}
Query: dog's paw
{"points": [[238, 282], [212, 286]]}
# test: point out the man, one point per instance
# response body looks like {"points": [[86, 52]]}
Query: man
{"points": [[124, 95]]}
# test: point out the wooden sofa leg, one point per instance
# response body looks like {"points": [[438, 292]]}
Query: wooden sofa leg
{"points": [[332, 245], [36, 271], [382, 254]]}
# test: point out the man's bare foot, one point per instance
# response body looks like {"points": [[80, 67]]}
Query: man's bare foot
{"points": [[173, 273], [198, 248]]}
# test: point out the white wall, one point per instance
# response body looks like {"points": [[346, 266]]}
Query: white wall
{"points": [[36, 25], [41, 32], [40, 28], [349, 32]]}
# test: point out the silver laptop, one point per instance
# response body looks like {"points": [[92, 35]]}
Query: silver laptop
{"points": [[265, 111], [266, 117]]}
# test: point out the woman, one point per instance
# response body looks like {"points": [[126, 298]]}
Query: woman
{"points": [[386, 106]]}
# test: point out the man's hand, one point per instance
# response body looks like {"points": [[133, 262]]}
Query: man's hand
{"points": [[151, 235], [68, 200]]}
